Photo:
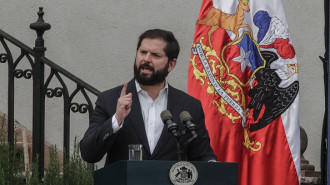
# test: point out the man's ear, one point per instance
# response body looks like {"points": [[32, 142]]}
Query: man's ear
{"points": [[171, 65]]}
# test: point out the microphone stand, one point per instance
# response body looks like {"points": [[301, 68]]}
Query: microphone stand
{"points": [[192, 138], [179, 148], [179, 145]]}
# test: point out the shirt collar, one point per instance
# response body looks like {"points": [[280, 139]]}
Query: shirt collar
{"points": [[139, 89]]}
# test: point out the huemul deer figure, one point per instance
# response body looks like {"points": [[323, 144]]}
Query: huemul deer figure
{"points": [[232, 22]]}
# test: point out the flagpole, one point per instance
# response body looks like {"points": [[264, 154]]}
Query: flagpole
{"points": [[327, 5], [325, 146]]}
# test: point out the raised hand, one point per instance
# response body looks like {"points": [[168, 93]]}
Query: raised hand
{"points": [[123, 105]]}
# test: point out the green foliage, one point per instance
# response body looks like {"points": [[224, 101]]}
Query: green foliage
{"points": [[32, 177], [10, 165], [53, 172], [75, 171]]}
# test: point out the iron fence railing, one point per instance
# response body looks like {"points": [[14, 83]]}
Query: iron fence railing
{"points": [[41, 90]]}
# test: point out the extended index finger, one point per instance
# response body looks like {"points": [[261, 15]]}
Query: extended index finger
{"points": [[123, 91]]}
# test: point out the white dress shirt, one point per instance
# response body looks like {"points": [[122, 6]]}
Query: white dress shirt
{"points": [[151, 110]]}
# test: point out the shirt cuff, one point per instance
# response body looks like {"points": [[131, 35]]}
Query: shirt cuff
{"points": [[115, 125]]}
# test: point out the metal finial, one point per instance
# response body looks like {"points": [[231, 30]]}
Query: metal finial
{"points": [[41, 13], [40, 25]]}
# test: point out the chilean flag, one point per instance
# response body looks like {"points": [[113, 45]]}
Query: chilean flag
{"points": [[243, 69]]}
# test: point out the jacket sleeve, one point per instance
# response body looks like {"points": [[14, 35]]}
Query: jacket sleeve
{"points": [[99, 135]]}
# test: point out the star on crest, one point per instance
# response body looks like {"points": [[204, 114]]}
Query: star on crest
{"points": [[243, 59]]}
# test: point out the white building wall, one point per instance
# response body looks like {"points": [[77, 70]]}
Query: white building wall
{"points": [[96, 41]]}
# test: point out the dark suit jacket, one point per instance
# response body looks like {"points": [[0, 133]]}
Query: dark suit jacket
{"points": [[99, 139]]}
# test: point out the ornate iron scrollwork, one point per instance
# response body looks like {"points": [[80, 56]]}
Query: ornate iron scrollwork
{"points": [[19, 73], [41, 90], [82, 108], [3, 58], [57, 92]]}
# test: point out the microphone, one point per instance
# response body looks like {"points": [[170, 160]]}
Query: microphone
{"points": [[167, 119], [186, 119]]}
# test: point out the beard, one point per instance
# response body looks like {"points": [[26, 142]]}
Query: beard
{"points": [[155, 78]]}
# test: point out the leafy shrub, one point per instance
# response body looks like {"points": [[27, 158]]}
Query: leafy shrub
{"points": [[10, 165], [75, 171]]}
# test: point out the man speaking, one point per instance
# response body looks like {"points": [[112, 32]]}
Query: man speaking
{"points": [[130, 113]]}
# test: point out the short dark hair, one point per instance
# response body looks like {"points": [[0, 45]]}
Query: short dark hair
{"points": [[172, 47]]}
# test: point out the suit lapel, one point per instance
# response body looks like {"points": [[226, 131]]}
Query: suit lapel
{"points": [[135, 116], [172, 106]]}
